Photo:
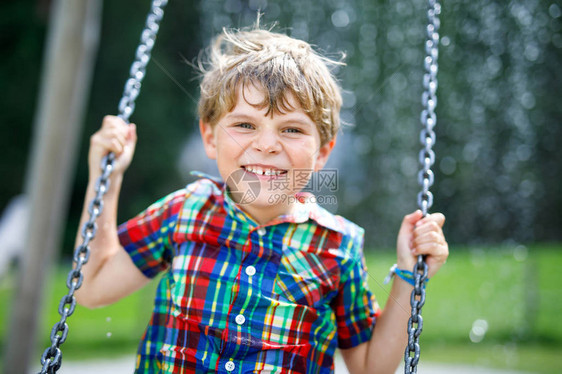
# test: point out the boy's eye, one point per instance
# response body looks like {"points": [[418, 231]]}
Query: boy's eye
{"points": [[293, 130], [245, 125]]}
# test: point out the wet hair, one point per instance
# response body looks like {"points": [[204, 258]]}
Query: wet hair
{"points": [[277, 64]]}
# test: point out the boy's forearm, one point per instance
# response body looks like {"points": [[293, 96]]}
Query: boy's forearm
{"points": [[106, 241], [388, 343]]}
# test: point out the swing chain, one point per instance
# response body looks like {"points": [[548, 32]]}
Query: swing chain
{"points": [[425, 179], [51, 360], [138, 67]]}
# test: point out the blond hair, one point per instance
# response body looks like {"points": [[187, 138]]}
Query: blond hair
{"points": [[278, 64]]}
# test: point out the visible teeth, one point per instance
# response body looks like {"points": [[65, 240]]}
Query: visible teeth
{"points": [[260, 171]]}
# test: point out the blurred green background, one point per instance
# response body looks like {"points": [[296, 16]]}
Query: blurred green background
{"points": [[498, 168]]}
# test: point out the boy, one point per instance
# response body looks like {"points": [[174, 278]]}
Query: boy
{"points": [[257, 279]]}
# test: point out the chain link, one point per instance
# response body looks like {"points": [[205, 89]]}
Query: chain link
{"points": [[425, 179], [51, 360]]}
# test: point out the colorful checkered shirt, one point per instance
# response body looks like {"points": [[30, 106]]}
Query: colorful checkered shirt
{"points": [[237, 297]]}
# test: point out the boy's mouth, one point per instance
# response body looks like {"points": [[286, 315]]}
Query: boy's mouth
{"points": [[264, 170]]}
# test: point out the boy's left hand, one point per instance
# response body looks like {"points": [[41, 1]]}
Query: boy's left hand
{"points": [[423, 236]]}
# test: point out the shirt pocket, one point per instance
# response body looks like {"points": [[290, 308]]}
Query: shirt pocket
{"points": [[306, 278], [204, 283]]}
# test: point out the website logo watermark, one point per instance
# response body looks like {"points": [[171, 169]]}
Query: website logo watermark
{"points": [[306, 180], [244, 187], [319, 187]]}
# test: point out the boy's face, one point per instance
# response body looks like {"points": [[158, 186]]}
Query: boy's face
{"points": [[265, 159]]}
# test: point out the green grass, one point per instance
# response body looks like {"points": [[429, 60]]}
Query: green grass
{"points": [[110, 331], [516, 290]]}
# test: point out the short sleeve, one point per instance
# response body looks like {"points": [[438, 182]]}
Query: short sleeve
{"points": [[355, 306], [147, 238]]}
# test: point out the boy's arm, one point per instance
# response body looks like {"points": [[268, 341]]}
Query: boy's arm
{"points": [[383, 353], [110, 273]]}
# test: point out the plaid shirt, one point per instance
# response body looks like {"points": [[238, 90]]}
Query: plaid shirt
{"points": [[237, 297]]}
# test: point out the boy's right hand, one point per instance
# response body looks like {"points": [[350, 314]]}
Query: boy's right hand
{"points": [[113, 136]]}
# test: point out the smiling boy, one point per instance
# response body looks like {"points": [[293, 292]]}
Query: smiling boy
{"points": [[270, 147], [260, 285]]}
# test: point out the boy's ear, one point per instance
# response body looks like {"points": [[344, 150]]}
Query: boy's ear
{"points": [[208, 137], [324, 153]]}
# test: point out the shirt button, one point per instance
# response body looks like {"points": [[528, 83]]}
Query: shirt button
{"points": [[261, 231], [240, 319], [250, 270], [229, 366]]}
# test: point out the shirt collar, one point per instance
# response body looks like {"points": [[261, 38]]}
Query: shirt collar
{"points": [[305, 209]]}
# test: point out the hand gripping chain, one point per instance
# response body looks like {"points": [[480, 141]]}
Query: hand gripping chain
{"points": [[425, 179], [51, 359]]}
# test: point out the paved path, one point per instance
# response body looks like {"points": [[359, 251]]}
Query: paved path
{"points": [[126, 365]]}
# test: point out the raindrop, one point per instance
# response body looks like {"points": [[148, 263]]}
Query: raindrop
{"points": [[522, 15], [503, 184], [478, 331], [486, 290], [257, 4], [108, 334], [557, 40], [403, 9], [531, 52], [471, 151], [497, 48], [445, 41], [299, 30], [220, 21], [477, 257], [494, 65], [362, 144], [448, 165], [520, 253], [340, 18], [395, 36], [528, 100], [398, 82], [526, 188], [368, 31], [509, 162], [554, 11], [349, 99], [489, 205], [524, 152], [408, 166], [233, 6], [368, 48]]}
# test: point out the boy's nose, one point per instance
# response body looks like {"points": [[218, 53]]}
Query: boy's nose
{"points": [[267, 141]]}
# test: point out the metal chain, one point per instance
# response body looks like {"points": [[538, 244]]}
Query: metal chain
{"points": [[425, 179], [51, 359]]}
